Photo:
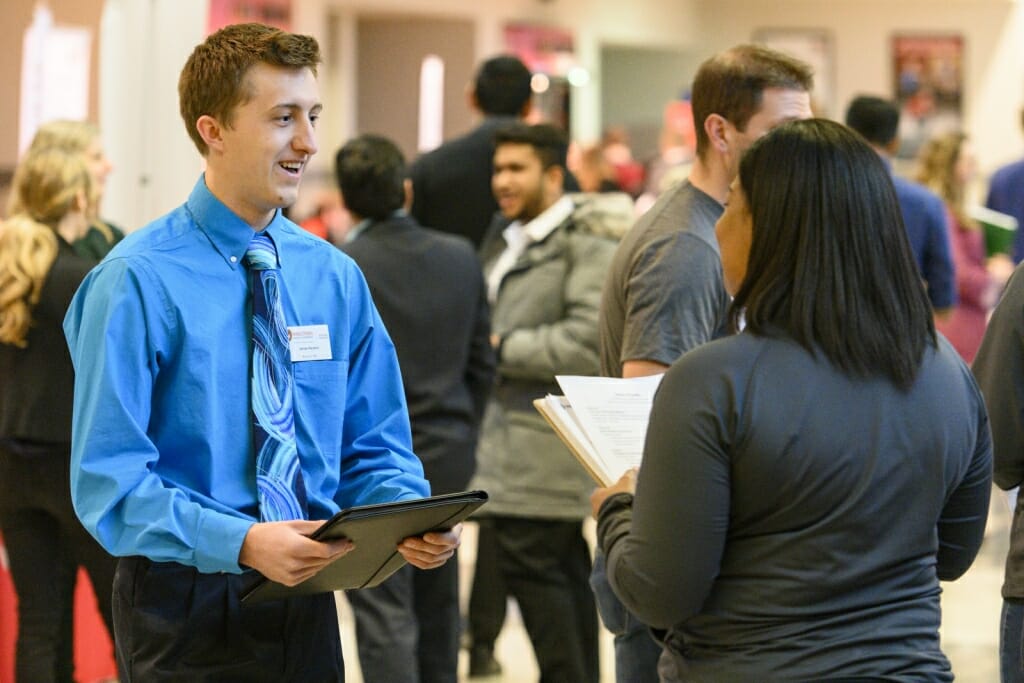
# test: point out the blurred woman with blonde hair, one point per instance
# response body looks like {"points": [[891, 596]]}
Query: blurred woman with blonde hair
{"points": [[80, 137], [54, 194], [946, 166]]}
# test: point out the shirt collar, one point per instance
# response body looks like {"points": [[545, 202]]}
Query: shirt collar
{"points": [[361, 227], [543, 225], [228, 233]]}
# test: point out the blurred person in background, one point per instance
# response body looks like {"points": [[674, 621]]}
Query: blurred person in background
{"points": [[452, 184], [947, 166], [429, 289], [81, 137], [545, 258], [1006, 195], [593, 171], [924, 219], [627, 172], [39, 272], [664, 293]]}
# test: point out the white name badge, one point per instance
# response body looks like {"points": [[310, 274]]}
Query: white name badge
{"points": [[309, 342]]}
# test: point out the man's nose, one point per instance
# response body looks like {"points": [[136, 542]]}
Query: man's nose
{"points": [[305, 139]]}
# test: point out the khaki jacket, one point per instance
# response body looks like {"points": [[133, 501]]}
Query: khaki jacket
{"points": [[546, 313]]}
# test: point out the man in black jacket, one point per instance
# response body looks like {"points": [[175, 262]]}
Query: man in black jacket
{"points": [[429, 290], [452, 184]]}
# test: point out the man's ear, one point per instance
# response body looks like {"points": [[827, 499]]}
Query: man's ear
{"points": [[715, 126], [80, 202], [211, 131], [555, 175], [407, 187], [527, 108]]}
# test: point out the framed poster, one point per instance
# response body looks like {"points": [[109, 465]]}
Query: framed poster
{"points": [[927, 76], [813, 46]]}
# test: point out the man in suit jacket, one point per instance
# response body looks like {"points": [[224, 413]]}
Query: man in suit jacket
{"points": [[429, 290], [452, 184]]}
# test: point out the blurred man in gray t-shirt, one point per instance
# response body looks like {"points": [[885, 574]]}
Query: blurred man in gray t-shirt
{"points": [[664, 293]]}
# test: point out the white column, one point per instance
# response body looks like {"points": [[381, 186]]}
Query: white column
{"points": [[143, 46]]}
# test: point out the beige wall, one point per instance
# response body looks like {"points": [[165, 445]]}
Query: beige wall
{"points": [[862, 30], [145, 49], [389, 54], [17, 15]]}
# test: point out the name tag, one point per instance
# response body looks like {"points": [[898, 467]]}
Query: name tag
{"points": [[309, 342]]}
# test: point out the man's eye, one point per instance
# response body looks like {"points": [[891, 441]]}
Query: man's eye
{"points": [[314, 119], [286, 118]]}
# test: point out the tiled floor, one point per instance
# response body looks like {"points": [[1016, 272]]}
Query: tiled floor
{"points": [[970, 611]]}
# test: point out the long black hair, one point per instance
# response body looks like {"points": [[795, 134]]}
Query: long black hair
{"points": [[830, 263]]}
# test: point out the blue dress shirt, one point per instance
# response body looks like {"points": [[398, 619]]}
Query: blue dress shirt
{"points": [[924, 217], [162, 448]]}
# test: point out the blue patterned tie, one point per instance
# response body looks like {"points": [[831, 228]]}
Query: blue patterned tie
{"points": [[282, 495]]}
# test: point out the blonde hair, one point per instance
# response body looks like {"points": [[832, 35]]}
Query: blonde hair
{"points": [[937, 171], [46, 186], [71, 136]]}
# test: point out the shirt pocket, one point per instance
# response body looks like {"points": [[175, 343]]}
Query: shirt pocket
{"points": [[319, 400]]}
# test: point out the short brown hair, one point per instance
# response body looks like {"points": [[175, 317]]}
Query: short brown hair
{"points": [[731, 84], [213, 80]]}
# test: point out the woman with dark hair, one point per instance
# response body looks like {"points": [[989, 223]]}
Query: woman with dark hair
{"points": [[807, 482]]}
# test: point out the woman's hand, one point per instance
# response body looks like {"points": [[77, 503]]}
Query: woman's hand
{"points": [[625, 484]]}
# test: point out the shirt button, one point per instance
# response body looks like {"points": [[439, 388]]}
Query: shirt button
{"points": [[234, 259]]}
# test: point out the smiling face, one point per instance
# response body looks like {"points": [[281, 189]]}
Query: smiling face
{"points": [[255, 164], [734, 231], [521, 185]]}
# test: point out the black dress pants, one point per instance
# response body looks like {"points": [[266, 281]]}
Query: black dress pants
{"points": [[407, 628], [489, 593], [545, 564], [45, 545], [176, 624]]}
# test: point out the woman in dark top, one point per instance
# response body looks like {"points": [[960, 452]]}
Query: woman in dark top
{"points": [[39, 273], [808, 482]]}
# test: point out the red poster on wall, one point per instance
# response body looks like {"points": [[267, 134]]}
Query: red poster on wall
{"points": [[928, 78], [544, 49], [276, 13]]}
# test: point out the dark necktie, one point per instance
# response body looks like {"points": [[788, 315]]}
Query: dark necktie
{"points": [[282, 495]]}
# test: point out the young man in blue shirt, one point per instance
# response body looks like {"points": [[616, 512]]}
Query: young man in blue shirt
{"points": [[164, 470]]}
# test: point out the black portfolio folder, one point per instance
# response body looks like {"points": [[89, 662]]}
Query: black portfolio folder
{"points": [[376, 531]]}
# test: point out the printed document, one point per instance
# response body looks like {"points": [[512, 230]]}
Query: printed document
{"points": [[603, 421]]}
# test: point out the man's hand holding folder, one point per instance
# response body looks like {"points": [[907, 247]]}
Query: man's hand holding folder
{"points": [[285, 553], [357, 548]]}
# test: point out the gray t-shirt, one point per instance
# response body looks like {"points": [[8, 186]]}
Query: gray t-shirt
{"points": [[664, 292]]}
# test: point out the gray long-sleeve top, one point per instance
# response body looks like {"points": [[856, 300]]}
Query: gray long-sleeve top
{"points": [[792, 523], [999, 367]]}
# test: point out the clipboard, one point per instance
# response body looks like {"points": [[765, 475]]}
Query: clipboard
{"points": [[376, 531]]}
